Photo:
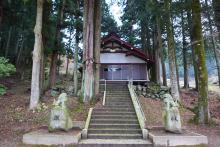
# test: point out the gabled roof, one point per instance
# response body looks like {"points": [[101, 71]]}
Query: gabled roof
{"points": [[113, 37]]}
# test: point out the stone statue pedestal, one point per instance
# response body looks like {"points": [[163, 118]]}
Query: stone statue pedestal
{"points": [[60, 118], [171, 115]]}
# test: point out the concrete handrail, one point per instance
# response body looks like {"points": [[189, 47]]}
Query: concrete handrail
{"points": [[138, 110], [85, 130], [88, 118], [103, 101], [137, 106]]}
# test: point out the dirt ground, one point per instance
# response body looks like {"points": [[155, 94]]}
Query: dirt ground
{"points": [[153, 113], [17, 119]]}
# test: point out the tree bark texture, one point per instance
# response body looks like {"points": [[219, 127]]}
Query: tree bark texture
{"points": [[75, 67], [184, 51], [97, 43], [158, 49], [216, 7], [203, 107], [75, 72], [8, 42], [171, 54], [1, 14], [189, 19], [144, 36], [35, 83], [89, 53], [215, 50], [57, 44], [85, 22], [92, 32]]}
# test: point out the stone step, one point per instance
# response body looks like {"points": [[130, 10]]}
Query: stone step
{"points": [[113, 113], [115, 101], [118, 100], [114, 110], [114, 126], [114, 131], [115, 136], [114, 121], [114, 116], [119, 103], [118, 97], [119, 91], [118, 106], [115, 143]]}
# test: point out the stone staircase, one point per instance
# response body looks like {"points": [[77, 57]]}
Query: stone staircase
{"points": [[116, 123], [117, 119]]}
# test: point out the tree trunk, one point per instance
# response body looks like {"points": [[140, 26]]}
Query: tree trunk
{"points": [[67, 65], [76, 64], [85, 23], [171, 54], [177, 67], [58, 67], [53, 65], [42, 77], [148, 40], [97, 43], [184, 51], [8, 42], [189, 19], [203, 108], [1, 14], [17, 45], [216, 7], [69, 48], [35, 83], [20, 51], [76, 57], [144, 36], [88, 92], [153, 73], [158, 49], [45, 37], [164, 70], [216, 52]]}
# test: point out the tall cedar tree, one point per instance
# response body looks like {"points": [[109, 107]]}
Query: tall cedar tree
{"points": [[35, 82], [203, 107], [184, 49], [91, 34], [57, 46], [171, 53]]}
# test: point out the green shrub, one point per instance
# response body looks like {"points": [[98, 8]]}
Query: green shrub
{"points": [[2, 89], [6, 68]]}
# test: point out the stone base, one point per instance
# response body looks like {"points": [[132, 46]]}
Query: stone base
{"points": [[79, 124], [43, 137], [162, 138], [114, 143]]}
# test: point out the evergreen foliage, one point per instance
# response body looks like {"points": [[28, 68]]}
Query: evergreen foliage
{"points": [[6, 69]]}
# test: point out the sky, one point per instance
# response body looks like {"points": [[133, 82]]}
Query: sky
{"points": [[116, 11]]}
